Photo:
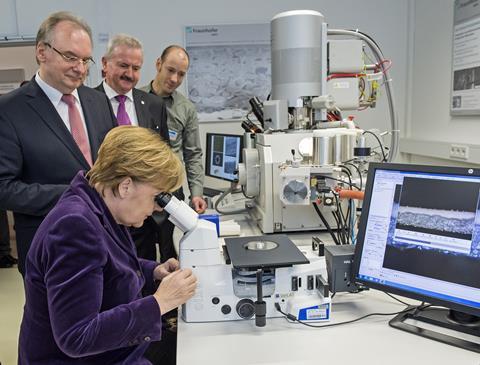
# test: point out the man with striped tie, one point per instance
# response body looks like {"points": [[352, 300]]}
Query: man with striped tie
{"points": [[51, 127]]}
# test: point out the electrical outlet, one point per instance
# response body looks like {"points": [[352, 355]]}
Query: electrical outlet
{"points": [[459, 151]]}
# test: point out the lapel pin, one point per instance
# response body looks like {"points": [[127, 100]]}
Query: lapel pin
{"points": [[141, 101]]}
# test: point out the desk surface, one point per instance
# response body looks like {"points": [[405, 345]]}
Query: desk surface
{"points": [[369, 341]]}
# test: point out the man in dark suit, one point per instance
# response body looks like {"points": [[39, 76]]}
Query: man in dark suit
{"points": [[50, 128], [121, 67]]}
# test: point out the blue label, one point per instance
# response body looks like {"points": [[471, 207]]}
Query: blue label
{"points": [[315, 313], [172, 135]]}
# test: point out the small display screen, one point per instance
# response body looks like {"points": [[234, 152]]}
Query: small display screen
{"points": [[224, 153]]}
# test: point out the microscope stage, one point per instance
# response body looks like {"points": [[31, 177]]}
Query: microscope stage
{"points": [[264, 252]]}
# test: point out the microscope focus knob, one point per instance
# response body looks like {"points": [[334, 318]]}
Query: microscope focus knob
{"points": [[246, 308], [226, 309]]}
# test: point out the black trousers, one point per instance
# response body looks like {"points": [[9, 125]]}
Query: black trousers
{"points": [[24, 237], [4, 234], [164, 352]]}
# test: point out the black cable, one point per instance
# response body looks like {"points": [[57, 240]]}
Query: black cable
{"points": [[245, 195], [340, 230], [348, 173], [338, 212], [358, 171], [339, 238], [379, 142], [398, 300], [347, 218], [340, 209], [420, 308], [325, 223], [294, 319], [343, 220]]}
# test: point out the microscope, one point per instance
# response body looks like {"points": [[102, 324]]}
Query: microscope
{"points": [[248, 276]]}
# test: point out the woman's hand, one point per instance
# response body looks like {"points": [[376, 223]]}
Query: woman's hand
{"points": [[175, 289], [166, 268]]}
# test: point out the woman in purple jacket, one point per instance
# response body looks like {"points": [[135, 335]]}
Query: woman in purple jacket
{"points": [[83, 280]]}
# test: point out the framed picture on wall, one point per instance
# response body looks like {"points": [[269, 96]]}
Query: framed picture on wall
{"points": [[229, 64], [465, 86]]}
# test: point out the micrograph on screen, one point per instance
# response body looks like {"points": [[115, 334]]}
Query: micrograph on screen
{"points": [[433, 221]]}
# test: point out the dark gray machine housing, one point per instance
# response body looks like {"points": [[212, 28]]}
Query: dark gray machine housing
{"points": [[339, 268]]}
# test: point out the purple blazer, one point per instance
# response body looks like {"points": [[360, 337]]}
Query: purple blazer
{"points": [[83, 288]]}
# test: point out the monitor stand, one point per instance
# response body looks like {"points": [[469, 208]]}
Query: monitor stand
{"points": [[444, 318]]}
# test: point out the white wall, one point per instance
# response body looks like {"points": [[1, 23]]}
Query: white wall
{"points": [[431, 129]]}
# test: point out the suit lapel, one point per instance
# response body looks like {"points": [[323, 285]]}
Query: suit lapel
{"points": [[100, 88], [141, 109], [49, 115]]}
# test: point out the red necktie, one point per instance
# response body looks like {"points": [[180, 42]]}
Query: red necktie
{"points": [[76, 127]]}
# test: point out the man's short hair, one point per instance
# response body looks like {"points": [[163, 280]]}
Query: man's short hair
{"points": [[138, 153], [45, 32], [171, 48], [122, 40]]}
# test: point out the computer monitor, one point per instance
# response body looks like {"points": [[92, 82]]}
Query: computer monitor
{"points": [[419, 237], [224, 153]]}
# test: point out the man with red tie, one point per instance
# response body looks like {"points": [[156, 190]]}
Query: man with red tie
{"points": [[121, 67], [50, 128]]}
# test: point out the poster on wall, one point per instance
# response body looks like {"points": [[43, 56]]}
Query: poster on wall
{"points": [[465, 92], [229, 64]]}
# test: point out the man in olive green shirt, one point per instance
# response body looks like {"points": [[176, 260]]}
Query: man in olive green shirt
{"points": [[182, 123]]}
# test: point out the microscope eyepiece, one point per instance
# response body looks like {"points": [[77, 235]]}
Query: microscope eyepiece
{"points": [[162, 199]]}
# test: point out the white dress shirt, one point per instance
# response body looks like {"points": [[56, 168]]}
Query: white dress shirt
{"points": [[55, 97], [129, 104]]}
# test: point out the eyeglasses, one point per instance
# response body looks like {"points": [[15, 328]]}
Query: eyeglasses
{"points": [[72, 59]]}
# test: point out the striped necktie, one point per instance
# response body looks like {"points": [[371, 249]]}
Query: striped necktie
{"points": [[76, 127]]}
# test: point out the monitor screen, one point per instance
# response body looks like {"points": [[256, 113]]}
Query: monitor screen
{"points": [[419, 234], [224, 153]]}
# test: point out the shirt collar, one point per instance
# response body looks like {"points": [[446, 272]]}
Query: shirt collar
{"points": [[53, 94], [169, 98], [112, 93]]}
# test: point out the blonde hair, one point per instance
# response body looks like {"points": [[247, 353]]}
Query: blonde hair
{"points": [[138, 153]]}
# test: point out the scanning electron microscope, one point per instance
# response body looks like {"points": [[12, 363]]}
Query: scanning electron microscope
{"points": [[299, 159], [301, 152], [249, 276]]}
